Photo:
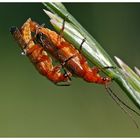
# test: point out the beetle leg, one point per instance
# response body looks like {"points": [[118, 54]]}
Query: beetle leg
{"points": [[62, 30], [108, 67], [97, 69], [63, 26], [67, 74], [81, 45]]}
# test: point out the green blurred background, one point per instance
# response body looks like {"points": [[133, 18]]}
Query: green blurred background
{"points": [[31, 106]]}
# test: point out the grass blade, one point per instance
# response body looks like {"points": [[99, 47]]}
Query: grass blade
{"points": [[74, 33]]}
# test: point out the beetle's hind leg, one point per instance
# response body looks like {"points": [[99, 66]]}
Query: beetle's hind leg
{"points": [[81, 45], [62, 30], [66, 74]]}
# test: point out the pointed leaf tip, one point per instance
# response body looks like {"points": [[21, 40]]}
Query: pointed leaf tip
{"points": [[137, 71], [119, 61], [51, 15]]}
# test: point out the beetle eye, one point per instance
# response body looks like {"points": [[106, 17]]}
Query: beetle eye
{"points": [[13, 29]]}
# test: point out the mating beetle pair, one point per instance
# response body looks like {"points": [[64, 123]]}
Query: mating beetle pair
{"points": [[36, 42], [50, 42]]}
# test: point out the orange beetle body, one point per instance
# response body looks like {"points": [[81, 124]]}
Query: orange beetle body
{"points": [[38, 55], [50, 42]]}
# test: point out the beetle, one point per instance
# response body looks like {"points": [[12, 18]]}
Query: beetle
{"points": [[38, 56]]}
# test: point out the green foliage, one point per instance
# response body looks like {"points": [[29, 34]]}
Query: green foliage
{"points": [[75, 33]]}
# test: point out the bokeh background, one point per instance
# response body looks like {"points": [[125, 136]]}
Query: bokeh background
{"points": [[31, 106]]}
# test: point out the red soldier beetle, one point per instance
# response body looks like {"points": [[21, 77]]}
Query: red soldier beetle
{"points": [[38, 56]]}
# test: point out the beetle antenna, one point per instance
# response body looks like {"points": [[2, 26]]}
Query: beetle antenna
{"points": [[118, 101], [123, 102]]}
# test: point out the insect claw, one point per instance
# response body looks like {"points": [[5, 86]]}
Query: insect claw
{"points": [[24, 52]]}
